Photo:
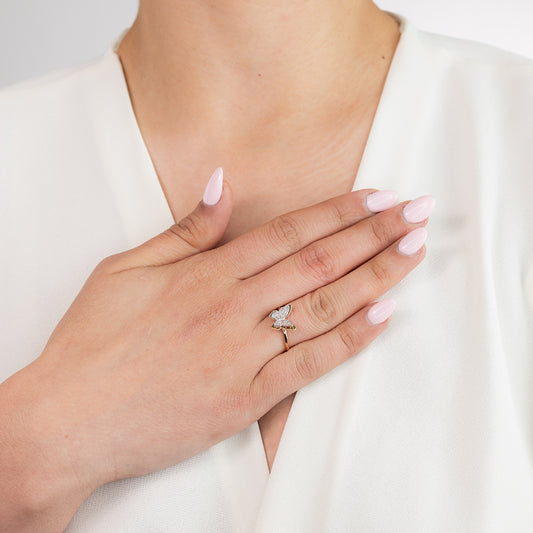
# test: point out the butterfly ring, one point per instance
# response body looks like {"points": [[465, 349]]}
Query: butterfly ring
{"points": [[280, 316]]}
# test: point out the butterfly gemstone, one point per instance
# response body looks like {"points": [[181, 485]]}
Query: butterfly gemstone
{"points": [[280, 317]]}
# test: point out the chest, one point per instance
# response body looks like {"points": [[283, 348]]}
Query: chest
{"points": [[259, 195]]}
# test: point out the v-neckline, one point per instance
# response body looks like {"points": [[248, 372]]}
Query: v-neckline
{"points": [[242, 458]]}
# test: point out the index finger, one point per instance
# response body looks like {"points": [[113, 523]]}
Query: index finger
{"points": [[288, 233]]}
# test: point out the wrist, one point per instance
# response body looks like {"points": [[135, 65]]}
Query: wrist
{"points": [[42, 478]]}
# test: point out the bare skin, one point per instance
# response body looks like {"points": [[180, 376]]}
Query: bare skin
{"points": [[127, 368], [282, 95]]}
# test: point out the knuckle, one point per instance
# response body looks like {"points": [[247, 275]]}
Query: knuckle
{"points": [[342, 217], [285, 233], [189, 229], [265, 388], [350, 338], [306, 364], [323, 310], [235, 401], [106, 265], [316, 261], [381, 232], [380, 272], [259, 390], [193, 273], [232, 408], [210, 316]]}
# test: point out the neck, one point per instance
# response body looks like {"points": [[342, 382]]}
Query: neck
{"points": [[237, 67]]}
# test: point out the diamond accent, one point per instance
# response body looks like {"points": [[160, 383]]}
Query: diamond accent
{"points": [[279, 315]]}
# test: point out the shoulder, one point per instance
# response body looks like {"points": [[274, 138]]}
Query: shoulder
{"points": [[473, 52], [51, 103], [59, 79], [490, 87], [473, 110], [51, 120], [480, 67], [57, 132], [38, 92], [462, 83], [42, 98]]}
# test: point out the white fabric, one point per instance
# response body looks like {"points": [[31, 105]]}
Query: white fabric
{"points": [[430, 428]]}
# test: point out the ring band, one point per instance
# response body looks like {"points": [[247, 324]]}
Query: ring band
{"points": [[281, 322]]}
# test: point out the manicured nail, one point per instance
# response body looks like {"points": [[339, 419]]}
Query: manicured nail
{"points": [[413, 241], [419, 209], [213, 189], [379, 312], [381, 200]]}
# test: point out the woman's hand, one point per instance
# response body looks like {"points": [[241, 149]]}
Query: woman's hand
{"points": [[168, 347]]}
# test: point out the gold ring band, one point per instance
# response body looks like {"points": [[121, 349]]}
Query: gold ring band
{"points": [[285, 339]]}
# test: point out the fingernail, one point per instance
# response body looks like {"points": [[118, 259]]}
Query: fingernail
{"points": [[419, 209], [381, 200], [379, 312], [413, 241], [213, 189]]}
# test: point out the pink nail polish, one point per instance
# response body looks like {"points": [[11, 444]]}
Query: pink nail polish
{"points": [[380, 311], [413, 241], [419, 209], [381, 200], [213, 189]]}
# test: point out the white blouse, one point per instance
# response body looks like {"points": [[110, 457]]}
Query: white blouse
{"points": [[428, 429]]}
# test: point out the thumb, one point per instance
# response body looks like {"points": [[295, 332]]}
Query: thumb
{"points": [[200, 230]]}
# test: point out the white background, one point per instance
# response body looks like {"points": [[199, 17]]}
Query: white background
{"points": [[37, 36]]}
